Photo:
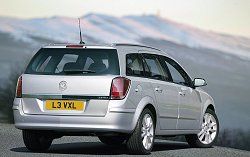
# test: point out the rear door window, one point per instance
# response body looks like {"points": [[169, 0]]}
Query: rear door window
{"points": [[153, 67], [66, 61]]}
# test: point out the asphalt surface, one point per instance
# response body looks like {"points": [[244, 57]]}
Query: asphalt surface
{"points": [[11, 145]]}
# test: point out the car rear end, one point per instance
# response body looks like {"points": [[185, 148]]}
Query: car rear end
{"points": [[73, 88]]}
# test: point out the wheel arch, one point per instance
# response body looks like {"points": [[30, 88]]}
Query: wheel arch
{"points": [[146, 102], [209, 104], [153, 110]]}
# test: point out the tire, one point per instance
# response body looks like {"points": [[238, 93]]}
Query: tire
{"points": [[209, 131], [137, 142], [36, 141], [112, 140]]}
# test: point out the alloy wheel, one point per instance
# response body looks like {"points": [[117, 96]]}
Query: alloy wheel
{"points": [[147, 131], [208, 130]]}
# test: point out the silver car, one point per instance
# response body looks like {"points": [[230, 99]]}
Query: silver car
{"points": [[122, 93]]}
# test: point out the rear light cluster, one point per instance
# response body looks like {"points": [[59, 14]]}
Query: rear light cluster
{"points": [[119, 87], [19, 87]]}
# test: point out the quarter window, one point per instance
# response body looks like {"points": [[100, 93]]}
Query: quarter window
{"points": [[133, 65]]}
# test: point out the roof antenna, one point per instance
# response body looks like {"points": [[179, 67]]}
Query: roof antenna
{"points": [[79, 21]]}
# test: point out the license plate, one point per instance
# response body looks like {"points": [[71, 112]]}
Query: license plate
{"points": [[64, 105]]}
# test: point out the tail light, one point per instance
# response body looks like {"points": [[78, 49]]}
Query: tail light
{"points": [[119, 87], [19, 87]]}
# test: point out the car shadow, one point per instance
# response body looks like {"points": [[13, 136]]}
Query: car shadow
{"points": [[97, 148]]}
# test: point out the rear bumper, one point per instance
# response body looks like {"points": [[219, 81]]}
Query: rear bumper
{"points": [[114, 121]]}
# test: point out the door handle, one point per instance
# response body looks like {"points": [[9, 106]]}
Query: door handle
{"points": [[183, 89], [158, 89], [138, 88], [182, 93]]}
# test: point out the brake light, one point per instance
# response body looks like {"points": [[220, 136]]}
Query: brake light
{"points": [[19, 87], [74, 46], [119, 87]]}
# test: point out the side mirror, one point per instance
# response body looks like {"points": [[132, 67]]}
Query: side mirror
{"points": [[198, 82]]}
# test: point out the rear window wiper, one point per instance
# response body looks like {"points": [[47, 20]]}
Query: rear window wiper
{"points": [[78, 71]]}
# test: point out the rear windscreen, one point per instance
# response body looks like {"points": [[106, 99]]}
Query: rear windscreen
{"points": [[66, 61]]}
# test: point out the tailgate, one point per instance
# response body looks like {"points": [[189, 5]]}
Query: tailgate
{"points": [[93, 91]]}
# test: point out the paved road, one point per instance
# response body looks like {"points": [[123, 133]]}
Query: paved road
{"points": [[11, 145]]}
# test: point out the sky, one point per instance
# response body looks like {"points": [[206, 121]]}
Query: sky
{"points": [[225, 16]]}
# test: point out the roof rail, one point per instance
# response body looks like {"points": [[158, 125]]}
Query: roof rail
{"points": [[127, 44]]}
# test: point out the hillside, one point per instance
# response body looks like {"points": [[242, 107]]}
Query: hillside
{"points": [[130, 29]]}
